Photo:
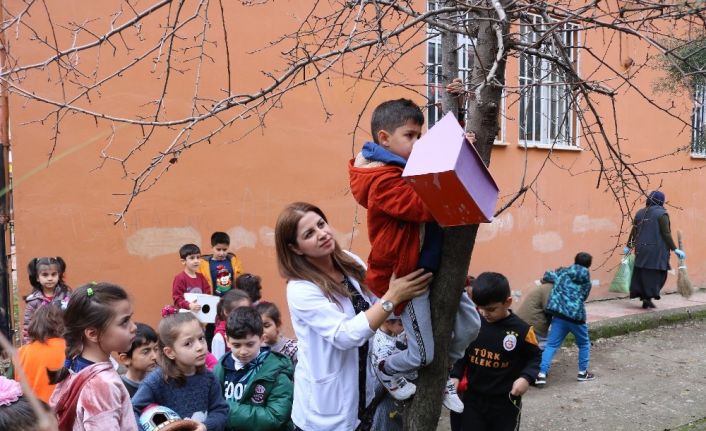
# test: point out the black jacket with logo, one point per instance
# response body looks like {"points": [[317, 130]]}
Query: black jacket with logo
{"points": [[504, 351]]}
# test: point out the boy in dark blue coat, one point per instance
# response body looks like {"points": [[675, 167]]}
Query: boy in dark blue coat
{"points": [[566, 304]]}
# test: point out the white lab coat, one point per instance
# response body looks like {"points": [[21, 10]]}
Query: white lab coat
{"points": [[326, 376]]}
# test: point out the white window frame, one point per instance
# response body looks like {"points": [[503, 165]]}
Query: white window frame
{"points": [[542, 88], [698, 123], [434, 86], [433, 73]]}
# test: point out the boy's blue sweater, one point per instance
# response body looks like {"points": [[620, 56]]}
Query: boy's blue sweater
{"points": [[199, 399]]}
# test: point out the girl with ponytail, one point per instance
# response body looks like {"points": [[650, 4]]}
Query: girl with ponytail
{"points": [[46, 276], [89, 394]]}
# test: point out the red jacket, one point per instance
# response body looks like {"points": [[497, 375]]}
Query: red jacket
{"points": [[395, 218]]}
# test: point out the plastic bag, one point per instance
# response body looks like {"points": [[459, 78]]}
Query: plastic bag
{"points": [[621, 281]]}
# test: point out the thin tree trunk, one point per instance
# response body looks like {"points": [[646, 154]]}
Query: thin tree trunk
{"points": [[483, 117], [424, 410]]}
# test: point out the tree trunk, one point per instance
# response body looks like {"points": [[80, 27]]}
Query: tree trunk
{"points": [[424, 410]]}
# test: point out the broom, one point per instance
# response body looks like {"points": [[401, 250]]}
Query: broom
{"points": [[683, 283]]}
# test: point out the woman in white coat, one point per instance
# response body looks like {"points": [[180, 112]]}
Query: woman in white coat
{"points": [[334, 316]]}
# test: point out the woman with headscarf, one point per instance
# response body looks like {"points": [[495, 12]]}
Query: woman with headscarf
{"points": [[651, 237]]}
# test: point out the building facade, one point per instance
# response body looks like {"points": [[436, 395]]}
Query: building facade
{"points": [[239, 181]]}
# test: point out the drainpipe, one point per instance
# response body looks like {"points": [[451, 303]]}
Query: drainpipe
{"points": [[6, 298]]}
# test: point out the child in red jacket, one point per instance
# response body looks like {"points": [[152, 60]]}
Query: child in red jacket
{"points": [[404, 237]]}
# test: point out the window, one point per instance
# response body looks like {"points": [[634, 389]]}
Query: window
{"points": [[698, 122], [547, 111], [466, 59], [434, 75]]}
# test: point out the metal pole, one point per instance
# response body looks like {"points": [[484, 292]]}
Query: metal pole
{"points": [[5, 286]]}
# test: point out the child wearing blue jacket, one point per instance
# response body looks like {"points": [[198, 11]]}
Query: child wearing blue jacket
{"points": [[572, 286]]}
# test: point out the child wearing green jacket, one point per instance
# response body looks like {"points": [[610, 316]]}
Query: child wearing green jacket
{"points": [[256, 382]]}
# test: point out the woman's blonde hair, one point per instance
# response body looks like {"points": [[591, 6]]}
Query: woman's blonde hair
{"points": [[293, 266]]}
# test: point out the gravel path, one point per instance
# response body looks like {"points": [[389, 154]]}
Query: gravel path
{"points": [[653, 380]]}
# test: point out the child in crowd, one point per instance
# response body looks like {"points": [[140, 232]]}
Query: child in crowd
{"points": [[256, 383], [189, 280], [532, 310], [221, 267], [572, 286], [251, 284], [404, 237], [272, 335], [456, 419], [500, 364], [192, 281], [388, 338], [230, 301], [46, 276], [141, 358], [45, 351], [16, 413], [181, 382], [89, 394]]}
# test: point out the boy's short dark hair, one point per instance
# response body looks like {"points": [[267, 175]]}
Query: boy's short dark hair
{"points": [[143, 336], [584, 259], [244, 322], [392, 114], [219, 238], [489, 288], [189, 249]]}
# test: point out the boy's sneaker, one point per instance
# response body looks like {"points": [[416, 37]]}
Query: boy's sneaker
{"points": [[585, 376], [451, 400], [398, 387], [541, 380]]}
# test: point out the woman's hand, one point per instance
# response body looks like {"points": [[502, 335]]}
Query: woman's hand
{"points": [[410, 286]]}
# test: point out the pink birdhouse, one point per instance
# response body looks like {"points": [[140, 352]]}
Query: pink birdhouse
{"points": [[450, 177]]}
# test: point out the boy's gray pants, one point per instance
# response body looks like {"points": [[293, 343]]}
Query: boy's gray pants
{"points": [[416, 320]]}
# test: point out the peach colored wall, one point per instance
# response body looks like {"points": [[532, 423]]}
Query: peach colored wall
{"points": [[62, 208]]}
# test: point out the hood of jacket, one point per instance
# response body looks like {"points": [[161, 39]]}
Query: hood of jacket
{"points": [[272, 364], [378, 153], [373, 163], [576, 274]]}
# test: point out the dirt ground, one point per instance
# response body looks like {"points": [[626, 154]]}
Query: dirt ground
{"points": [[645, 381]]}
